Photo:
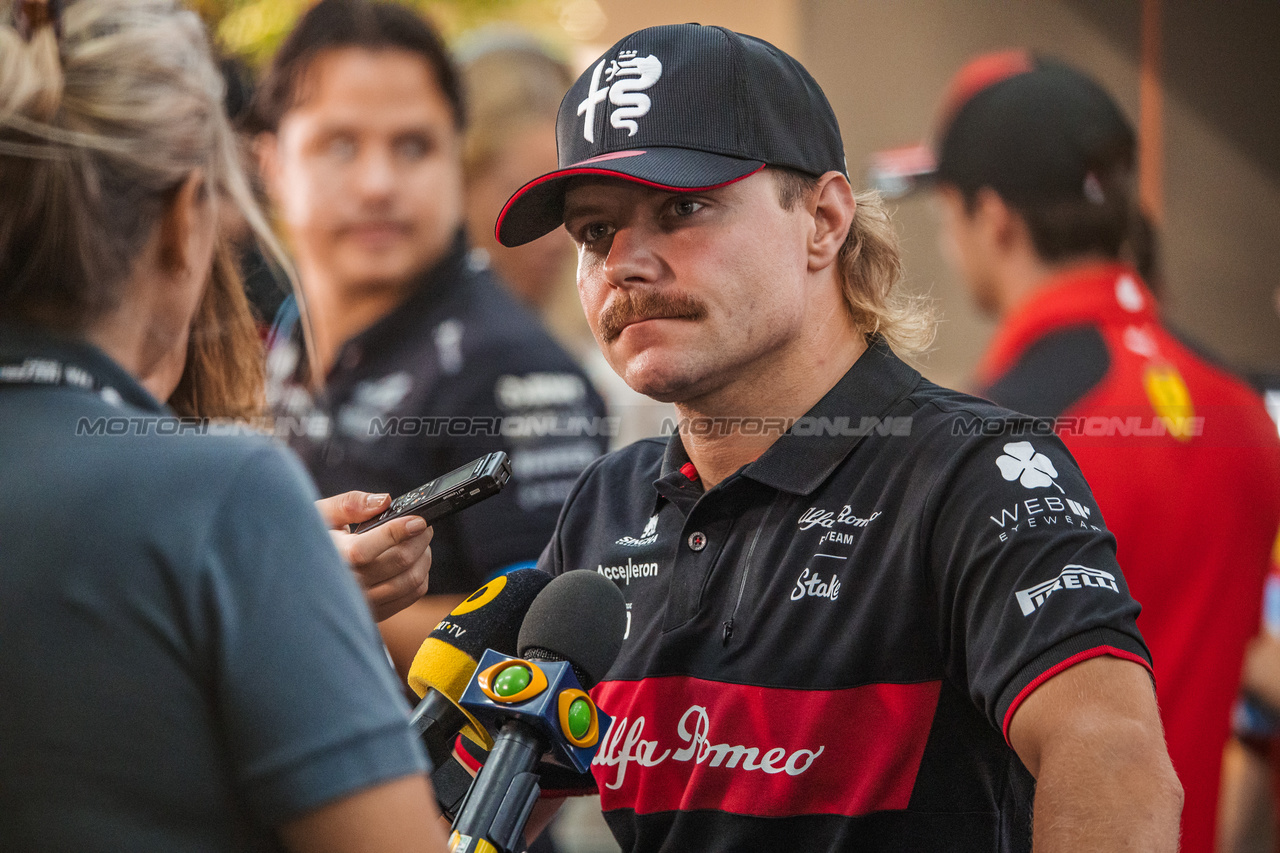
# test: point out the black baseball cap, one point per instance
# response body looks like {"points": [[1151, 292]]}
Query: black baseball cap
{"points": [[681, 107], [1031, 128]]}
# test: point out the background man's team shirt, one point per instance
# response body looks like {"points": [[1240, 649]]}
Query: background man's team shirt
{"points": [[1185, 464], [458, 370]]}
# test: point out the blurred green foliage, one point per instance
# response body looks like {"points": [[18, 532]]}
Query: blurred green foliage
{"points": [[253, 29]]}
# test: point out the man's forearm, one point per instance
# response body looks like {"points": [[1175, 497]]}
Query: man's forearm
{"points": [[1105, 788], [1262, 669], [405, 632]]}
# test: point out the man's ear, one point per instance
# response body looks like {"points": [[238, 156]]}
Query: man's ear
{"points": [[832, 206], [1000, 225], [183, 223], [266, 151]]}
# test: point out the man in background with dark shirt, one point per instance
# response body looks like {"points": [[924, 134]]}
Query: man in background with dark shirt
{"points": [[406, 361]]}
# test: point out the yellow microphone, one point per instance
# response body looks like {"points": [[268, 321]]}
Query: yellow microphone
{"points": [[490, 618]]}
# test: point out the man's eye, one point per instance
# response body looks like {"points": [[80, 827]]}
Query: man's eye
{"points": [[341, 148], [686, 206], [413, 148], [593, 232]]}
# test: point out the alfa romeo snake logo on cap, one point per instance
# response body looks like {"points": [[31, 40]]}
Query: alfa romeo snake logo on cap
{"points": [[627, 77]]}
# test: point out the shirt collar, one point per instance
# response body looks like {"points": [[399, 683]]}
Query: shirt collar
{"points": [[808, 453], [425, 298], [1109, 293], [19, 342]]}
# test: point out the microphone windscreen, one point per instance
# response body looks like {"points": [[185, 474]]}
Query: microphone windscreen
{"points": [[489, 618], [580, 617]]}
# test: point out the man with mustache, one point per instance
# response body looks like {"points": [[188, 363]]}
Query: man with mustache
{"points": [[865, 612], [417, 360]]}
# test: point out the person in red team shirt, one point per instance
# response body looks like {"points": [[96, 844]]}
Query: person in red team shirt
{"points": [[1033, 166]]}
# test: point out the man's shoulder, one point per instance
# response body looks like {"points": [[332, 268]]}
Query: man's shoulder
{"points": [[942, 434], [1223, 380], [249, 472], [500, 335], [120, 435], [934, 406], [504, 322], [1055, 372]]}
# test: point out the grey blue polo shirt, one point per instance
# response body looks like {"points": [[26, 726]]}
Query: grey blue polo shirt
{"points": [[185, 660]]}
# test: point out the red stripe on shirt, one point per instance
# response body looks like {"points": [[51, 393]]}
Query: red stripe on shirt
{"points": [[681, 743], [1067, 664]]}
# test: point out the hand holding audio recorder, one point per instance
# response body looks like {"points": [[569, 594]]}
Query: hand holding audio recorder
{"points": [[450, 493]]}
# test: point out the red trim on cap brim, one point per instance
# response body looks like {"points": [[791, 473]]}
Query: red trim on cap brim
{"points": [[574, 171], [898, 172], [1088, 654], [613, 155], [977, 75]]}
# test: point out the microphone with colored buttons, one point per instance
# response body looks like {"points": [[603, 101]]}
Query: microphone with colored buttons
{"points": [[490, 618], [539, 705]]}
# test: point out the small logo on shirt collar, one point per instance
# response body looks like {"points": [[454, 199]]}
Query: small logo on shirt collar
{"points": [[647, 537]]}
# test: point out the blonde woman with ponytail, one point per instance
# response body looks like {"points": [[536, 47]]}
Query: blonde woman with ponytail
{"points": [[187, 664]]}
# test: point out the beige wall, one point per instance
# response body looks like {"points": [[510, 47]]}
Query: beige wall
{"points": [[884, 65], [776, 21]]}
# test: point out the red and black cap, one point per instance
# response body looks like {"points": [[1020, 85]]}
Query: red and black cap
{"points": [[681, 107], [1031, 128]]}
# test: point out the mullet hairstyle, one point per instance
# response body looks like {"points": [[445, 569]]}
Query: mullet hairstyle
{"points": [[870, 266]]}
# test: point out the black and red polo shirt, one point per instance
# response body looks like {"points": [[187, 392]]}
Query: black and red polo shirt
{"points": [[1185, 462], [824, 651]]}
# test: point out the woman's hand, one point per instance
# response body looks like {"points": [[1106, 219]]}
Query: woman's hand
{"points": [[392, 562]]}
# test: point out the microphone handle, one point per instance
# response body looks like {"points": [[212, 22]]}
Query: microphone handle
{"points": [[437, 721], [503, 794]]}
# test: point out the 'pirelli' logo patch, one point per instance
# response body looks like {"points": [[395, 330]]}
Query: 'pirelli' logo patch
{"points": [[1071, 577]]}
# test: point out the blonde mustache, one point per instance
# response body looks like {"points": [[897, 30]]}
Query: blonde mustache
{"points": [[632, 307]]}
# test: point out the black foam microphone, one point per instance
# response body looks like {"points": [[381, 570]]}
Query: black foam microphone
{"points": [[490, 618], [581, 622], [579, 618]]}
